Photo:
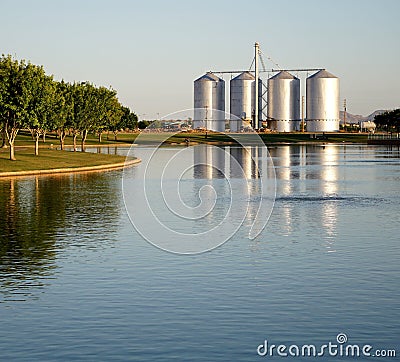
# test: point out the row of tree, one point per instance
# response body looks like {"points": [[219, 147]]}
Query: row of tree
{"points": [[31, 99], [389, 120]]}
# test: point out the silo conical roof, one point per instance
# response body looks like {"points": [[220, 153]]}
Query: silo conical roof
{"points": [[322, 74], [244, 76], [283, 74], [210, 77]]}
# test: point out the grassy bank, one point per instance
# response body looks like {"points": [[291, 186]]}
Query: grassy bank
{"points": [[52, 159], [24, 139]]}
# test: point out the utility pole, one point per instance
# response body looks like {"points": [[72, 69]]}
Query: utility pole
{"points": [[302, 113], [344, 114], [256, 76]]}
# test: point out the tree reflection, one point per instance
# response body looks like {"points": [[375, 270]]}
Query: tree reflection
{"points": [[37, 218]]}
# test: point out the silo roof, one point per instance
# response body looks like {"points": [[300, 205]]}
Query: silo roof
{"points": [[322, 74], [209, 76], [283, 74], [244, 76]]}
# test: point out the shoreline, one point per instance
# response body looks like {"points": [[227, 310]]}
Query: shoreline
{"points": [[67, 170]]}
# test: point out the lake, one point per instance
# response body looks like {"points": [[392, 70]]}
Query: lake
{"points": [[79, 281]]}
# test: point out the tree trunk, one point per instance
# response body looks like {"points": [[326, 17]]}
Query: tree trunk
{"points": [[62, 136], [44, 136], [100, 136], [11, 134], [12, 154], [32, 131], [74, 139], [115, 136], [37, 135], [3, 138], [84, 136]]}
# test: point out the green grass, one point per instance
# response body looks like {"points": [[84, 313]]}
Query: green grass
{"points": [[51, 159], [24, 139]]}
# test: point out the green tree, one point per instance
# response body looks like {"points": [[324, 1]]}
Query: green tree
{"points": [[15, 77], [130, 120], [88, 110], [31, 99], [108, 110], [127, 120], [41, 105], [83, 104], [389, 120], [63, 109], [143, 124]]}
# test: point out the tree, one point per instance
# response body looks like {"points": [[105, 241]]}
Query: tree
{"points": [[31, 99], [83, 103], [143, 124], [130, 120], [108, 110], [41, 104], [15, 97], [389, 120], [127, 120], [3, 135], [63, 110], [88, 108]]}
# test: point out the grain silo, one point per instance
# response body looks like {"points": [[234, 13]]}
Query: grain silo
{"points": [[322, 93], [242, 101], [209, 103], [284, 102]]}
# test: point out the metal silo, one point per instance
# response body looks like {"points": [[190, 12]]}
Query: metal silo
{"points": [[242, 100], [209, 103], [284, 102], [322, 92]]}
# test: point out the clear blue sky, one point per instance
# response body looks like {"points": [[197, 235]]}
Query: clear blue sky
{"points": [[151, 51]]}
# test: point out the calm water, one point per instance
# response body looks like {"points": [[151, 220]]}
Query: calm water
{"points": [[77, 282]]}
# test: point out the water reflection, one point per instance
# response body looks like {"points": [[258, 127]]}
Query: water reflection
{"points": [[248, 163], [40, 216], [309, 175], [243, 172], [210, 162]]}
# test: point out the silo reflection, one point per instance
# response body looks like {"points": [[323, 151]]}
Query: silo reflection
{"points": [[244, 162], [208, 162], [329, 187]]}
